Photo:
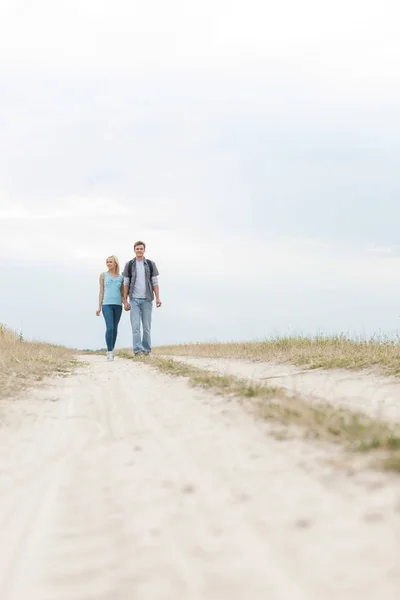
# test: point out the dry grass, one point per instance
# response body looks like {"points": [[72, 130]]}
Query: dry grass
{"points": [[328, 352], [23, 363], [356, 432]]}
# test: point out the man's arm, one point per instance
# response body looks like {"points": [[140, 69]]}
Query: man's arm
{"points": [[156, 287]]}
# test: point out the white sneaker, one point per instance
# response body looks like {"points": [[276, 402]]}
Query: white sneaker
{"points": [[110, 356]]}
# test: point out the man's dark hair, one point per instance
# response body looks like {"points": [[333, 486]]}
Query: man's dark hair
{"points": [[139, 243]]}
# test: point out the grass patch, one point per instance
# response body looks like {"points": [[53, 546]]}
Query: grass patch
{"points": [[24, 363], [392, 462], [327, 352], [355, 431]]}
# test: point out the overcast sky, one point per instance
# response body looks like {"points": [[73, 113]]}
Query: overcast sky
{"points": [[255, 147]]}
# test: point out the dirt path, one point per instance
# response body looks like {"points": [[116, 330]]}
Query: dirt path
{"points": [[121, 483], [372, 394]]}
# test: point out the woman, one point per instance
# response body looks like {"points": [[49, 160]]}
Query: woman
{"points": [[110, 302]]}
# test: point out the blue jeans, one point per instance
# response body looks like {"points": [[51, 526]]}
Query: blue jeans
{"points": [[141, 313], [112, 314]]}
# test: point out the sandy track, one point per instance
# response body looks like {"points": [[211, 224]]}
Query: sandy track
{"points": [[375, 395], [121, 483]]}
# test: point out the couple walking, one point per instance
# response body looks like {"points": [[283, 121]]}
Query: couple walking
{"points": [[135, 290]]}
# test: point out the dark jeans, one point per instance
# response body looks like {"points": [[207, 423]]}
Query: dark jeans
{"points": [[112, 314]]}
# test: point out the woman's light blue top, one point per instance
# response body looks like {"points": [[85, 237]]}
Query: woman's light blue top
{"points": [[112, 289]]}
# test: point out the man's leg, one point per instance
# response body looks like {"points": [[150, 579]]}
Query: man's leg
{"points": [[146, 320], [108, 317], [117, 312], [135, 322]]}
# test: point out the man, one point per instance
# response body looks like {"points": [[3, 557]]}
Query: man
{"points": [[140, 286]]}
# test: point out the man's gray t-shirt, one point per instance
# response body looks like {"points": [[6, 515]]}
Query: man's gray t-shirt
{"points": [[139, 289], [139, 286]]}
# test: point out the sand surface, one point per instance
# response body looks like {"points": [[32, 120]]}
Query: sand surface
{"points": [[375, 395], [120, 483]]}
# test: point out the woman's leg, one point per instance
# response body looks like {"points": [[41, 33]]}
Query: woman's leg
{"points": [[109, 319], [117, 312]]}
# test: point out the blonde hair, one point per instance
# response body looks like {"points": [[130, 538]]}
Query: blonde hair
{"points": [[116, 261]]}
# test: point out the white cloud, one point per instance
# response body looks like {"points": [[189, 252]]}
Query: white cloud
{"points": [[341, 40], [388, 250], [63, 208], [91, 230]]}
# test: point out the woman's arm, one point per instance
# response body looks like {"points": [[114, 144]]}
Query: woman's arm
{"points": [[125, 292], [101, 294]]}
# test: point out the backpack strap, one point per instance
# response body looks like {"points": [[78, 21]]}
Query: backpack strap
{"points": [[130, 267]]}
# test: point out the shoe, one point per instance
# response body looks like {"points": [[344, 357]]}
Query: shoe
{"points": [[110, 356]]}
